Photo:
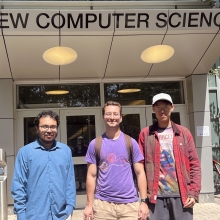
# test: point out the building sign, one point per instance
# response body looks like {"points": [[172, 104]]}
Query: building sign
{"points": [[109, 20]]}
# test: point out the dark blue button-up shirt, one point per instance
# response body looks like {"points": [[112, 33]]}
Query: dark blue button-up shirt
{"points": [[43, 185]]}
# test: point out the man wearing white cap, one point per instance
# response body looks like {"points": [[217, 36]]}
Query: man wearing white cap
{"points": [[171, 163]]}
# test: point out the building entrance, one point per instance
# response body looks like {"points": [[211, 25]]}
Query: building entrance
{"points": [[80, 125]]}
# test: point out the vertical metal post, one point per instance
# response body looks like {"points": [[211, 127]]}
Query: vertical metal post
{"points": [[3, 186]]}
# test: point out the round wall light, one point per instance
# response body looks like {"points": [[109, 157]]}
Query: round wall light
{"points": [[128, 90], [60, 55], [157, 54], [57, 92]]}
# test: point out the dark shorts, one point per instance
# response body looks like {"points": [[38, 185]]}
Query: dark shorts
{"points": [[169, 209]]}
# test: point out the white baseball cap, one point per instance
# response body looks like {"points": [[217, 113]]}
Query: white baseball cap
{"points": [[162, 96]]}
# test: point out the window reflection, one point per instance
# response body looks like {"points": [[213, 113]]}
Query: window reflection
{"points": [[80, 177], [214, 117], [80, 95], [146, 93], [211, 80], [130, 125], [30, 133], [80, 131]]}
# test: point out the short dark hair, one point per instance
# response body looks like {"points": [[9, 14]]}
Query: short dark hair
{"points": [[108, 103], [164, 101], [49, 113]]}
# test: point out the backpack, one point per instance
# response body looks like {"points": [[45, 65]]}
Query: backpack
{"points": [[129, 146]]}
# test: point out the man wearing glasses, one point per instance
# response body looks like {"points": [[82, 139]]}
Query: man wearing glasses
{"points": [[43, 185], [171, 164], [111, 176]]}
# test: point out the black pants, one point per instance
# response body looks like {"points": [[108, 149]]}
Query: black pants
{"points": [[169, 209]]}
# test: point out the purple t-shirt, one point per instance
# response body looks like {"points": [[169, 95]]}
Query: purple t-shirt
{"points": [[115, 181]]}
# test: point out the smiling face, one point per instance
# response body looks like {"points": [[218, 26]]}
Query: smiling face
{"points": [[163, 111], [47, 131], [112, 116]]}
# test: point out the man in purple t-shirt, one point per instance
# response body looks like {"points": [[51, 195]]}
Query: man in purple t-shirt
{"points": [[116, 195]]}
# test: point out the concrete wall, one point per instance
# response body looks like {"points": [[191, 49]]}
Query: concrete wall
{"points": [[7, 128], [199, 115]]}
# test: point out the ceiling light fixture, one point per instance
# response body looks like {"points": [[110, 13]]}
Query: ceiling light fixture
{"points": [[60, 55], [57, 92], [128, 90], [157, 54]]}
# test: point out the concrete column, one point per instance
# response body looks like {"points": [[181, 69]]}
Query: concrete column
{"points": [[199, 115], [7, 129]]}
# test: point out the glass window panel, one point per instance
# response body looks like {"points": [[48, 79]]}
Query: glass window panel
{"points": [[175, 117], [216, 156], [213, 102], [211, 80], [80, 131], [146, 93], [130, 125], [214, 119], [30, 133], [80, 177], [216, 153], [214, 123], [82, 95]]}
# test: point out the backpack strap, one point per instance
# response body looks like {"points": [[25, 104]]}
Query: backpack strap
{"points": [[129, 146], [98, 146]]}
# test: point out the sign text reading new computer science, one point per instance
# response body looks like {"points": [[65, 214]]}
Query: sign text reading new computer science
{"points": [[107, 20]]}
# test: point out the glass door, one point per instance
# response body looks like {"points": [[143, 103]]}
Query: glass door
{"points": [[178, 116], [133, 120], [136, 118], [78, 128], [25, 129]]}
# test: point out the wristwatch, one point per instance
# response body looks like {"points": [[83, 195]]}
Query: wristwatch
{"points": [[144, 200]]}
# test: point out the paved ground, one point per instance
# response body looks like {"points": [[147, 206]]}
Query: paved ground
{"points": [[202, 211]]}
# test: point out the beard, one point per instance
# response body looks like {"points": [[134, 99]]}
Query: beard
{"points": [[45, 141]]}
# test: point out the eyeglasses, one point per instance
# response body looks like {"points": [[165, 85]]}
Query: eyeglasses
{"points": [[46, 127], [159, 109], [114, 114]]}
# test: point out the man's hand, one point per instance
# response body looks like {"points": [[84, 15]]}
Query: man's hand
{"points": [[143, 211], [190, 202], [88, 213]]}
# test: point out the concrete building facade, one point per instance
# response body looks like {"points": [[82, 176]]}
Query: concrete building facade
{"points": [[109, 38]]}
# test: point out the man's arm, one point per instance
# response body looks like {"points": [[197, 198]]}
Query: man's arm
{"points": [[90, 188], [18, 188], [71, 188], [195, 169], [142, 187]]}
